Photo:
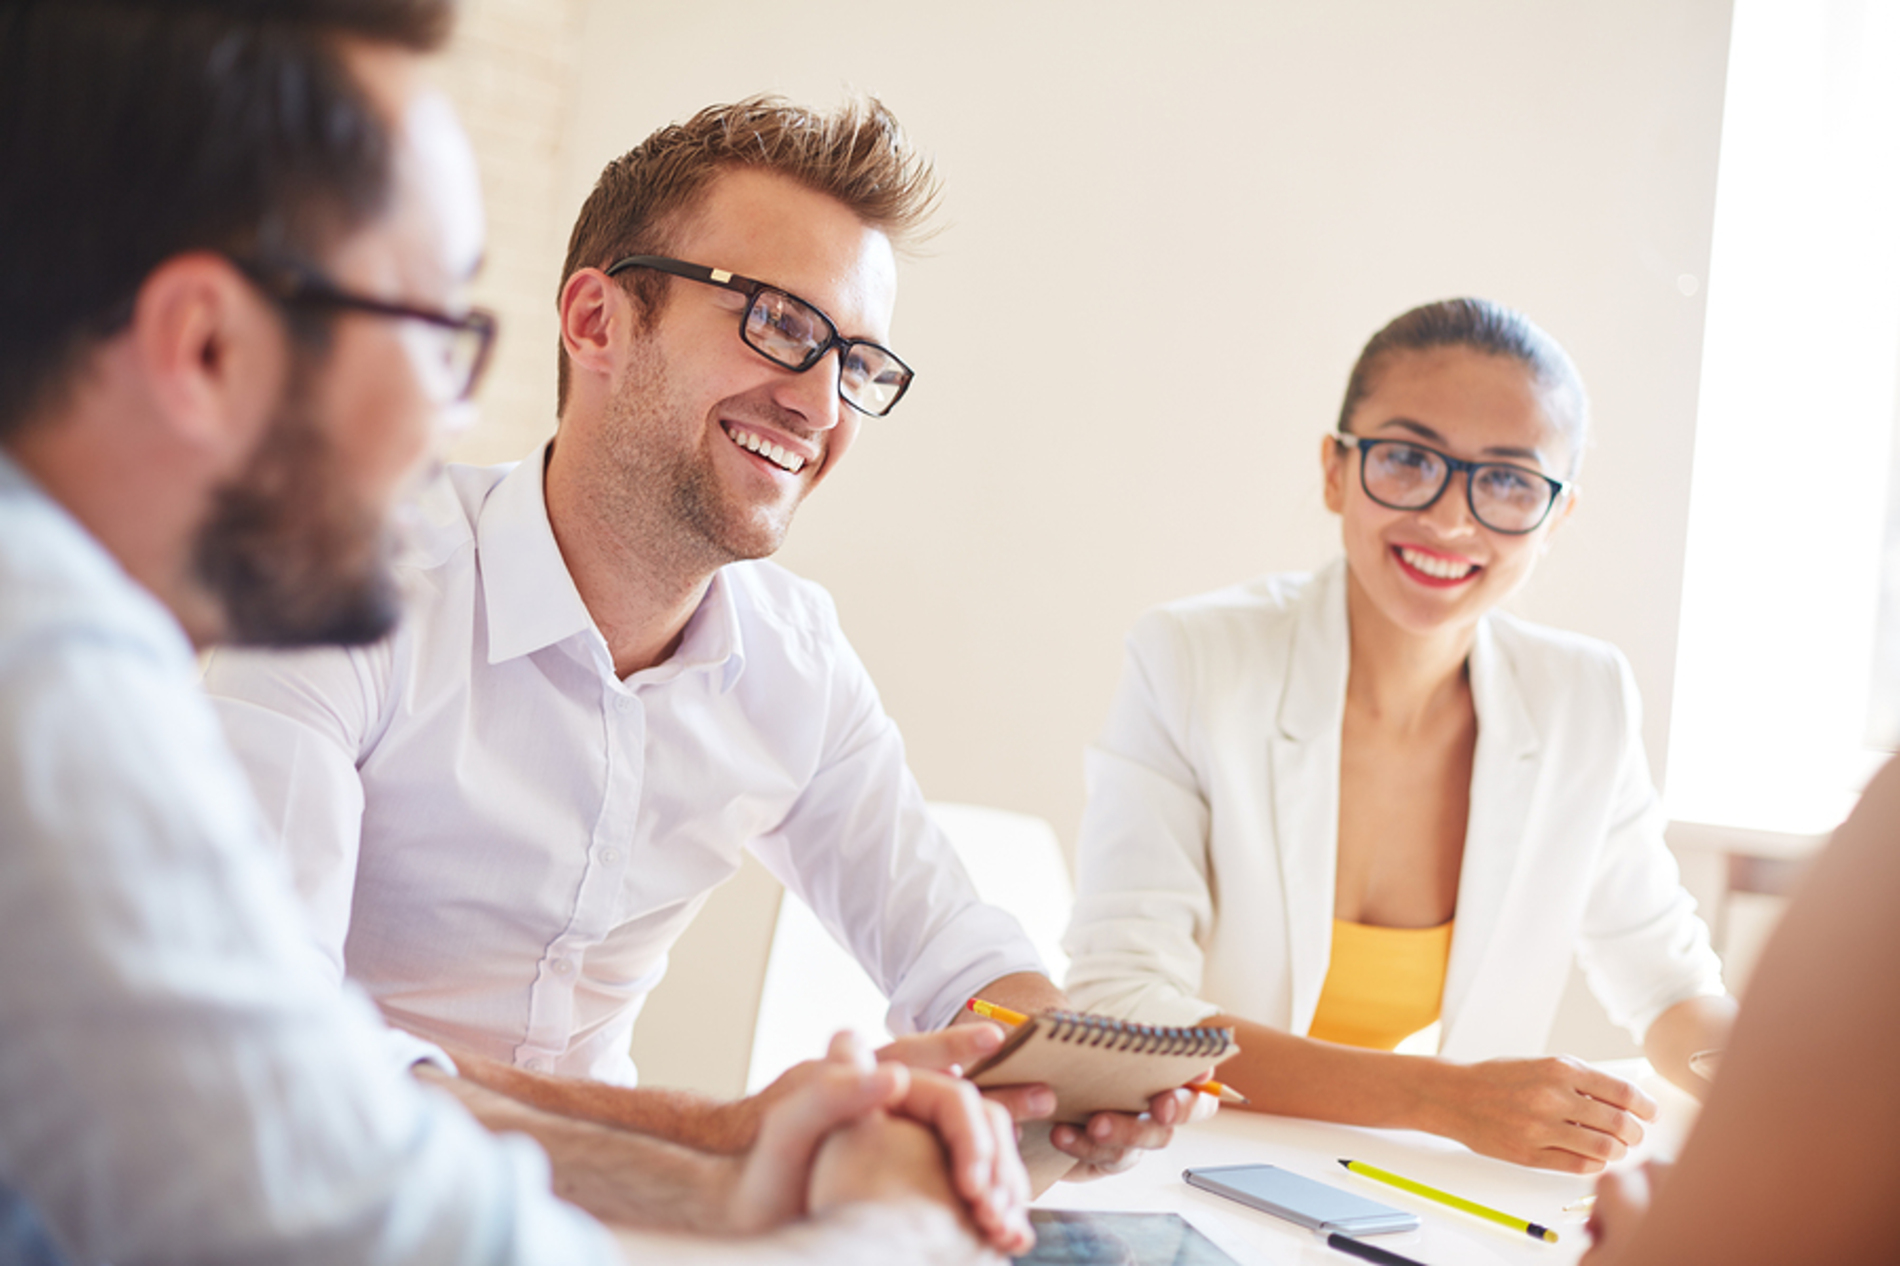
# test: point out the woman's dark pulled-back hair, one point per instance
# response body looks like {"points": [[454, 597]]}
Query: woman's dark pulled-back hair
{"points": [[135, 130], [1481, 326]]}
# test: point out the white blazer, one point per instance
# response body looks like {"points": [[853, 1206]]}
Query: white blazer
{"points": [[1209, 846]]}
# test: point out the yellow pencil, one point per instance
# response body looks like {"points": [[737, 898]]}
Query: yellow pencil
{"points": [[1373, 1172], [1220, 1090], [990, 1011]]}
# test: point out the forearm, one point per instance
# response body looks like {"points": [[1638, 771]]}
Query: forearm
{"points": [[862, 1234], [1028, 992], [1695, 1024], [1301, 1077], [617, 1176], [678, 1116]]}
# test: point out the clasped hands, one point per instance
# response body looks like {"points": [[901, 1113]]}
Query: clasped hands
{"points": [[903, 1122]]}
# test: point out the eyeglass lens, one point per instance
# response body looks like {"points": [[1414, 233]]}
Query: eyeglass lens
{"points": [[795, 334], [466, 352], [1407, 477]]}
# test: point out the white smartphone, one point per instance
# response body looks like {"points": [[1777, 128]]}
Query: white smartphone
{"points": [[1314, 1205]]}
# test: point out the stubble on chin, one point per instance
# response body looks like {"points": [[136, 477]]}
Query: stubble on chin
{"points": [[290, 552], [662, 496]]}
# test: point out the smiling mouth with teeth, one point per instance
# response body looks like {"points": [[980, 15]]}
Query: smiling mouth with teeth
{"points": [[1432, 567], [771, 452]]}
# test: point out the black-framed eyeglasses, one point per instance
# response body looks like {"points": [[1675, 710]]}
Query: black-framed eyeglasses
{"points": [[467, 339], [790, 332], [1403, 475]]}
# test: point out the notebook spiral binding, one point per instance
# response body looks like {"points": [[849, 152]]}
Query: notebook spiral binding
{"points": [[1148, 1039]]}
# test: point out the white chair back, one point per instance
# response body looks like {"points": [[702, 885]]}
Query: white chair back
{"points": [[814, 987]]}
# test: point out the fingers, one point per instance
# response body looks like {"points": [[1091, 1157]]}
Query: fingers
{"points": [[1023, 1103], [849, 1048], [1113, 1141], [985, 1169], [1614, 1091], [1172, 1107], [1203, 1107], [1552, 1113], [1612, 1123], [804, 1107], [956, 1047]]}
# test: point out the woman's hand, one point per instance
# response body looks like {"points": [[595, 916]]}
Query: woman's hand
{"points": [[1551, 1113], [1623, 1199]]}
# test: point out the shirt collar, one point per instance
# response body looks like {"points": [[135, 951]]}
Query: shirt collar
{"points": [[711, 641], [530, 599]]}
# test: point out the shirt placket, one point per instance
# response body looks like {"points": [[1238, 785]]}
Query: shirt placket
{"points": [[551, 1009]]}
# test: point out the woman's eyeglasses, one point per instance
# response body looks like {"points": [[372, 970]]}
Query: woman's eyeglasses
{"points": [[1402, 475]]}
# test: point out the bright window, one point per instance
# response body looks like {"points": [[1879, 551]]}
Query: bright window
{"points": [[1788, 507]]}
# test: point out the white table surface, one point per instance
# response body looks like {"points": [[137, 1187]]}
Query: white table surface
{"points": [[1445, 1236]]}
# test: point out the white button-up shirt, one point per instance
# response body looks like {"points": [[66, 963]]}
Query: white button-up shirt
{"points": [[176, 1083], [500, 839]]}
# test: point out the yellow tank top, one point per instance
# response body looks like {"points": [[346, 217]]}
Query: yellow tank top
{"points": [[1383, 985]]}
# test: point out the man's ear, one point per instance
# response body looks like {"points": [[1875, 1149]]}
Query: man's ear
{"points": [[592, 304], [1333, 458], [213, 351]]}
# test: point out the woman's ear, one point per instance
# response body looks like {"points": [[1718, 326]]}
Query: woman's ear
{"points": [[1572, 495], [1333, 457]]}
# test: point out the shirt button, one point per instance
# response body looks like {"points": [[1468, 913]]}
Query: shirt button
{"points": [[622, 703], [609, 856], [562, 967], [537, 1065]]}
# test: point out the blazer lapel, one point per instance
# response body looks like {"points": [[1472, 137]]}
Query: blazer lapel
{"points": [[1504, 774], [1304, 755]]}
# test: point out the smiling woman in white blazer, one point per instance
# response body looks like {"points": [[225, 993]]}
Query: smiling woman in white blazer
{"points": [[1374, 751]]}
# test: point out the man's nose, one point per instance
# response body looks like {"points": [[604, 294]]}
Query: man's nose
{"points": [[813, 392]]}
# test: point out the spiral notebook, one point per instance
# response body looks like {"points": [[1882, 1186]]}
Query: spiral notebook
{"points": [[1095, 1064], [1098, 1064]]}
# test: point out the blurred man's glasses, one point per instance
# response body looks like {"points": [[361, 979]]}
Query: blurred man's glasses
{"points": [[465, 341], [790, 332], [1401, 475]]}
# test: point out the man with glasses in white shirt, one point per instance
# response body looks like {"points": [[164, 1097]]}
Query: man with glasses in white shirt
{"points": [[234, 245], [504, 817]]}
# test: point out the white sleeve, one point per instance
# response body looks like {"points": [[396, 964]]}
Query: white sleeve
{"points": [[1642, 947], [176, 1086], [1143, 909], [298, 723], [861, 849]]}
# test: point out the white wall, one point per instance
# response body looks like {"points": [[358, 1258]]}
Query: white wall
{"points": [[1167, 232]]}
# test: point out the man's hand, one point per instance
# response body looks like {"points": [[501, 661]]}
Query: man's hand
{"points": [[1110, 1142], [733, 1127], [984, 1166], [1623, 1199], [887, 1159], [1551, 1113], [847, 1087]]}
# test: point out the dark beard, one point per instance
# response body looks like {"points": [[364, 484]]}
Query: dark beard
{"points": [[291, 556]]}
